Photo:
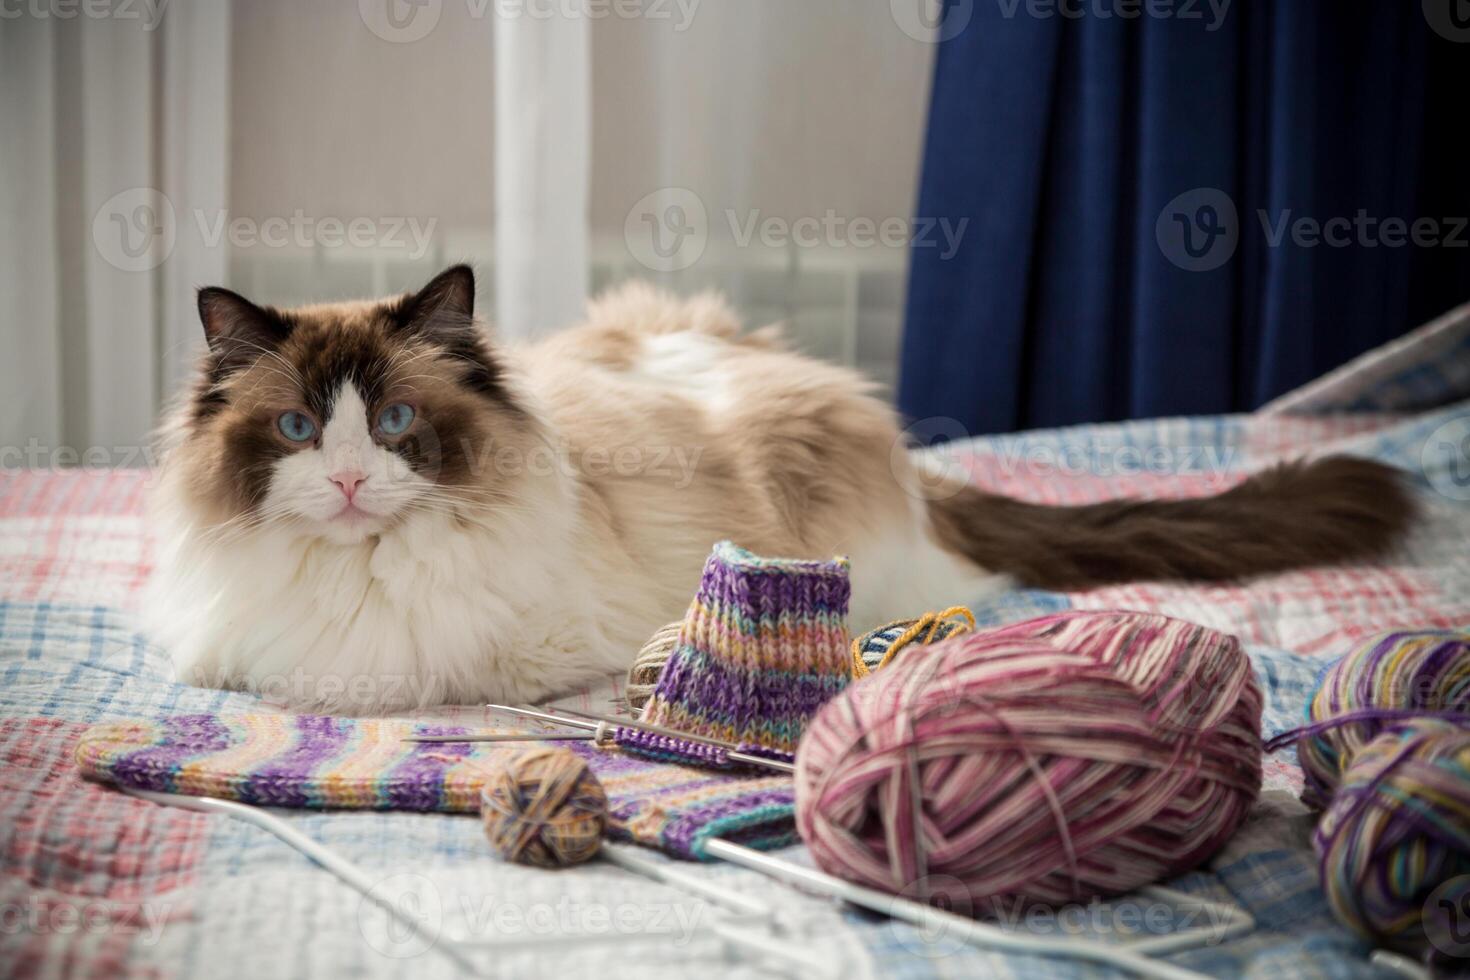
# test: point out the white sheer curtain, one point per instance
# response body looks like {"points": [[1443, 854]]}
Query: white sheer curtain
{"points": [[114, 132], [194, 169], [777, 135], [557, 147], [30, 363], [543, 143]]}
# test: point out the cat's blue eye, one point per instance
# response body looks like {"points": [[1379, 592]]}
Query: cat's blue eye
{"points": [[296, 426], [395, 419]]}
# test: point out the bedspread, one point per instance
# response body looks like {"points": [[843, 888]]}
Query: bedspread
{"points": [[93, 882]]}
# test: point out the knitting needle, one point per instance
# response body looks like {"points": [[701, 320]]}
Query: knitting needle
{"points": [[503, 737], [457, 947], [595, 723], [731, 752], [937, 921], [333, 862]]}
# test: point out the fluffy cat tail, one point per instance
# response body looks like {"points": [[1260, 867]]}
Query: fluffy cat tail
{"points": [[1334, 510]]}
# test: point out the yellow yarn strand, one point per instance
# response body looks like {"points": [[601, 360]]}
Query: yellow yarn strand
{"points": [[920, 630]]}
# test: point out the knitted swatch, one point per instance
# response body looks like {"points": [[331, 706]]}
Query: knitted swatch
{"points": [[320, 762], [763, 646]]}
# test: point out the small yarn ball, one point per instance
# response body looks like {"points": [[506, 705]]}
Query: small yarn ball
{"points": [[877, 648], [643, 675], [1076, 755], [1394, 844], [1385, 680], [544, 808]]}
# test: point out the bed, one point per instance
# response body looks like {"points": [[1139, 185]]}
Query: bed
{"points": [[93, 882]]}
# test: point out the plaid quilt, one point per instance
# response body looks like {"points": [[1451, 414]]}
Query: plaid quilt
{"points": [[93, 882]]}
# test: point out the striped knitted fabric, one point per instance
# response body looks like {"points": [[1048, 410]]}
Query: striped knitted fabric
{"points": [[763, 646], [323, 762]]}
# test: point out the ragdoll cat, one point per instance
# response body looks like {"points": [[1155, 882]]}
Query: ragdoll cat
{"points": [[367, 506]]}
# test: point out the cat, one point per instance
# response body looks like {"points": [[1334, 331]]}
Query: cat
{"points": [[367, 507]]}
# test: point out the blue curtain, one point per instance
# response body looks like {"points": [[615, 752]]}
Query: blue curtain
{"points": [[1090, 165]]}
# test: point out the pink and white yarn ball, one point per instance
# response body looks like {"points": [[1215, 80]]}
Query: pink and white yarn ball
{"points": [[1076, 755]]}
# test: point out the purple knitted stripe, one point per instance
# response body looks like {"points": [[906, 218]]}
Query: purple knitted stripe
{"points": [[693, 812], [281, 781], [181, 739], [417, 783], [666, 749], [773, 593], [755, 816], [712, 689], [750, 748]]}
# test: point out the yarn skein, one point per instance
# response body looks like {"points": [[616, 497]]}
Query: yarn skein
{"points": [[643, 675], [1397, 833], [1070, 756], [1391, 677], [544, 808], [1386, 755]]}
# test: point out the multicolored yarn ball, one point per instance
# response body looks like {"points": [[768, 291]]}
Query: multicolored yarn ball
{"points": [[877, 648], [1386, 755], [1405, 674], [649, 664], [763, 646], [1397, 833], [1075, 755], [544, 808]]}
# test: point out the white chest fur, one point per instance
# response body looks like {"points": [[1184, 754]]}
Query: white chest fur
{"points": [[435, 609]]}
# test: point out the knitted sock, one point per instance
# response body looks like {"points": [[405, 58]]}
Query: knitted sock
{"points": [[763, 646], [320, 762]]}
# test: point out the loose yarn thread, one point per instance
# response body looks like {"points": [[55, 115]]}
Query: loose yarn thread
{"points": [[1386, 753], [1074, 755], [544, 808]]}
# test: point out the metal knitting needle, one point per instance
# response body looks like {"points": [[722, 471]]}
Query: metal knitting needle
{"points": [[593, 723], [732, 752], [937, 921], [652, 729], [503, 737]]}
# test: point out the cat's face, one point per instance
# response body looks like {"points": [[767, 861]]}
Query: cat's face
{"points": [[341, 419]]}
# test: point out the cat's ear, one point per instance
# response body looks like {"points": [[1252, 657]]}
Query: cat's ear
{"points": [[238, 331], [447, 303]]}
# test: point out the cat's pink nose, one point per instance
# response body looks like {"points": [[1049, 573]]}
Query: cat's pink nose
{"points": [[348, 481]]}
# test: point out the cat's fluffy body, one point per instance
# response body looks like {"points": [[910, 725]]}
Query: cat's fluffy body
{"points": [[538, 528]]}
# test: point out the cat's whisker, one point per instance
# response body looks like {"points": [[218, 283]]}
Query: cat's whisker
{"points": [[274, 355], [243, 523]]}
